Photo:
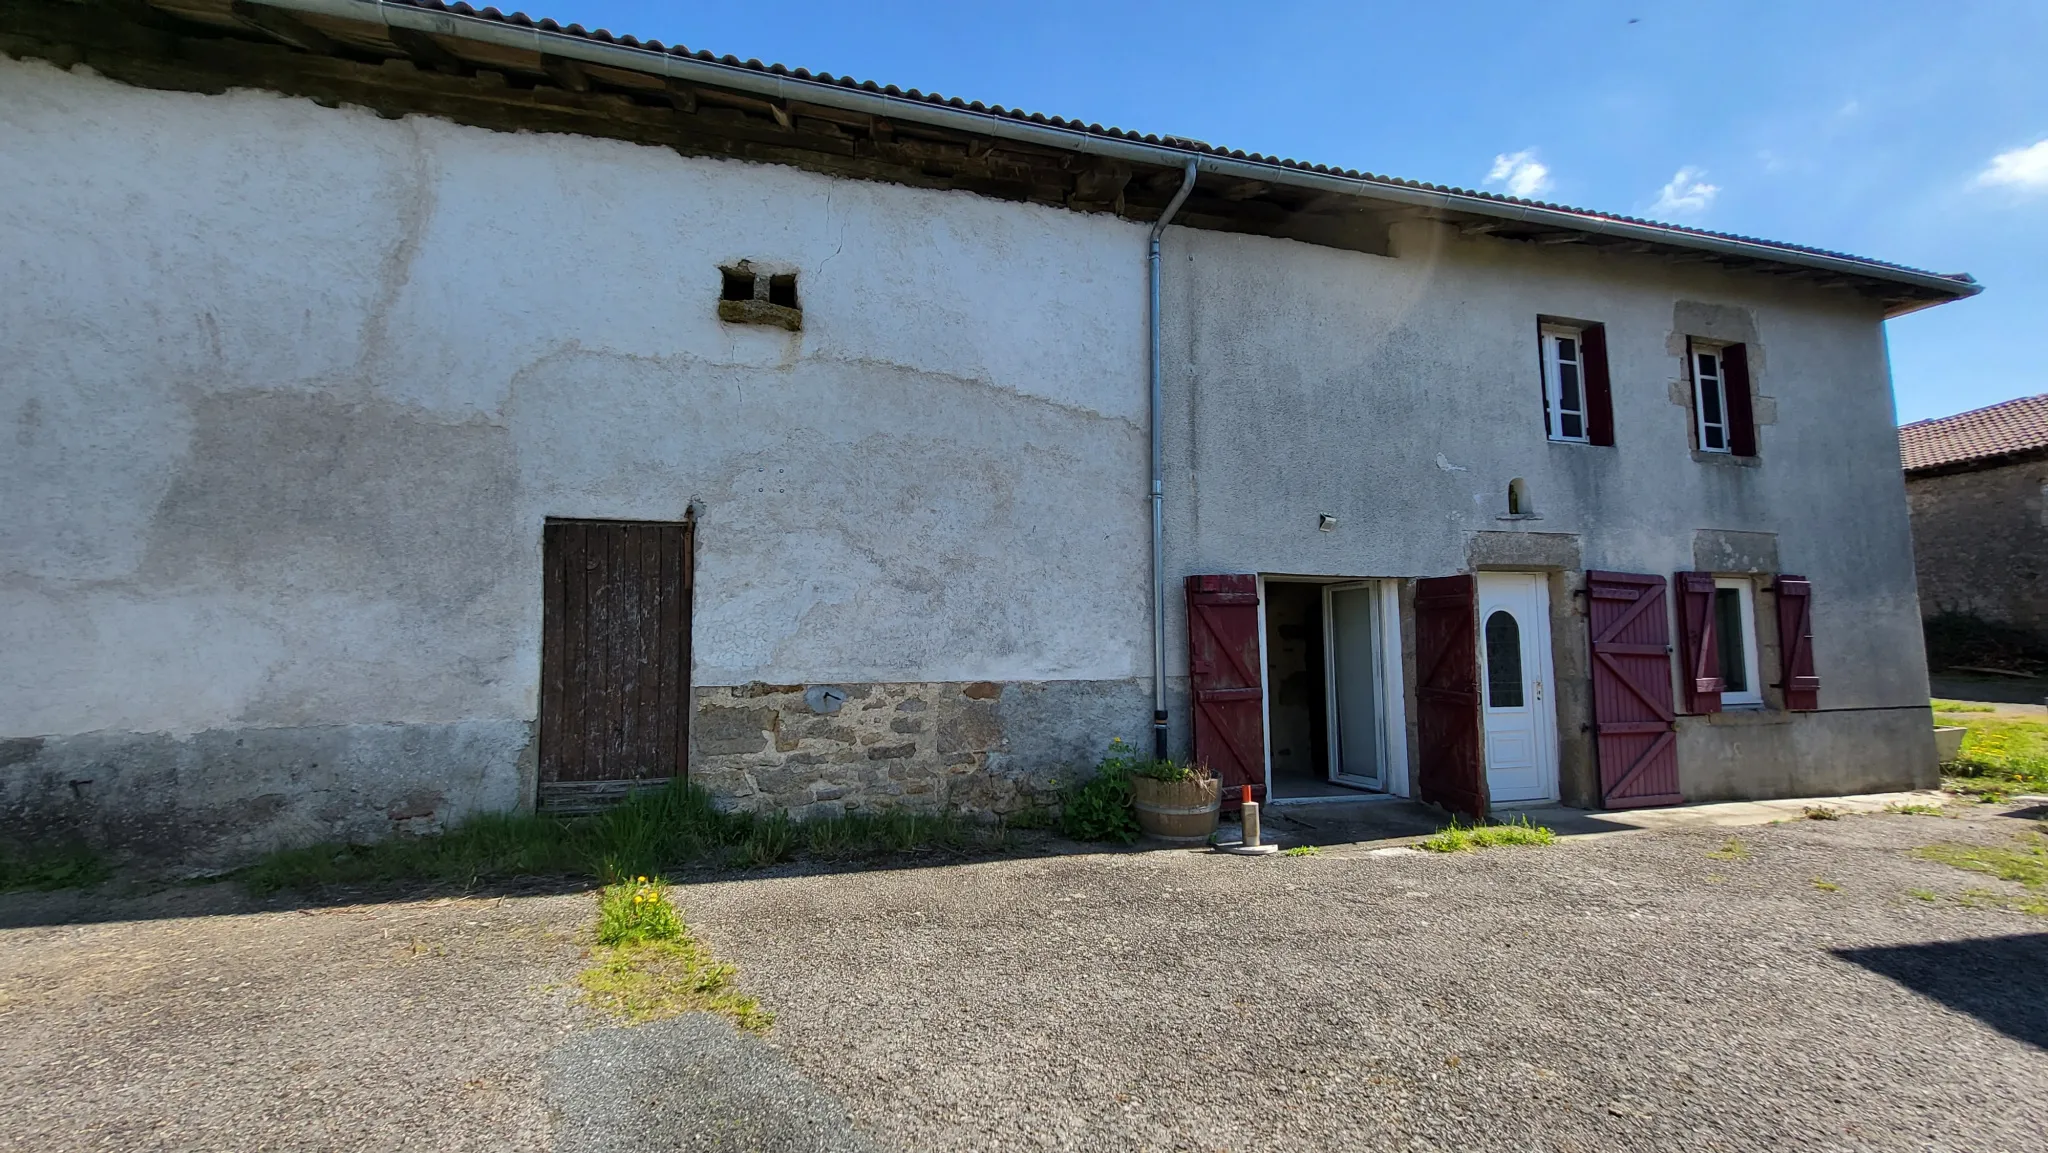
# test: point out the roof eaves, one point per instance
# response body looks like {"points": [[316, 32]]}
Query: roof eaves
{"points": [[488, 25]]}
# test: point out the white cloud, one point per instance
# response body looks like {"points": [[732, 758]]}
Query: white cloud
{"points": [[1522, 174], [1687, 192], [2022, 168]]}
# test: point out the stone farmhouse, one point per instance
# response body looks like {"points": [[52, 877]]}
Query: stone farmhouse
{"points": [[418, 410], [1977, 487]]}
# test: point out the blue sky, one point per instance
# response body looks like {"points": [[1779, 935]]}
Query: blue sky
{"points": [[1910, 132]]}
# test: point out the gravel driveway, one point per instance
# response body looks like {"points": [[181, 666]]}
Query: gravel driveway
{"points": [[1627, 991]]}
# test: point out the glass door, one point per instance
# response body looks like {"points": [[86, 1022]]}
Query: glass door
{"points": [[1351, 615]]}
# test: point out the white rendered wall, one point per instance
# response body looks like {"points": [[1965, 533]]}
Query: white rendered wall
{"points": [[292, 389]]}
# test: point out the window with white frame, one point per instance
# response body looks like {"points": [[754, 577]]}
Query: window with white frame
{"points": [[1564, 383], [1710, 397], [1735, 636]]}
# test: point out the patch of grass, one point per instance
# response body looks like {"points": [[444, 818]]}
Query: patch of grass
{"points": [[660, 979], [636, 912], [1303, 851], [2028, 864], [1923, 895], [1461, 836], [648, 966], [1942, 706], [674, 827], [1917, 810], [1820, 813], [1987, 899], [1731, 849], [1825, 885], [68, 867], [2000, 756]]}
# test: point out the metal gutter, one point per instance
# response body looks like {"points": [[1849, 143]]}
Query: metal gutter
{"points": [[691, 69], [1155, 407]]}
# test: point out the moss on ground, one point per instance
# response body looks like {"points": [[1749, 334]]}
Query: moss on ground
{"points": [[1460, 837]]}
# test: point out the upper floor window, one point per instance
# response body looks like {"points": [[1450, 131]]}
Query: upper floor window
{"points": [[1709, 398], [1576, 405], [1722, 420], [1564, 383]]}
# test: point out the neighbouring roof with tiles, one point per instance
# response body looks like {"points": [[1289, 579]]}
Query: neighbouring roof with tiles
{"points": [[1982, 434]]}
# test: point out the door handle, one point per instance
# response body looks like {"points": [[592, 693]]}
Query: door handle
{"points": [[1539, 688]]}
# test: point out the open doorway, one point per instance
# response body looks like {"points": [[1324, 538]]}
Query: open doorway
{"points": [[1331, 733]]}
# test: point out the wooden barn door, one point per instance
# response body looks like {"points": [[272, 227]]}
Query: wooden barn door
{"points": [[1632, 716], [1223, 679], [1450, 762], [615, 660]]}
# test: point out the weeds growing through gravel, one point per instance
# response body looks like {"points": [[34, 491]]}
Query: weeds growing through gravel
{"points": [[1917, 810], [1820, 813], [1303, 851], [1825, 885], [1923, 894], [1987, 899], [2028, 864], [648, 966], [673, 827], [1460, 836], [1730, 850], [72, 866]]}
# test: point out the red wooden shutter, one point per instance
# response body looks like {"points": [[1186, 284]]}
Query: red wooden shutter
{"points": [[1735, 384], [1224, 680], [1699, 680], [1795, 644], [1451, 769], [1599, 397], [1635, 732]]}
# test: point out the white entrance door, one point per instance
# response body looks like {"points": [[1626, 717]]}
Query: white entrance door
{"points": [[1515, 687]]}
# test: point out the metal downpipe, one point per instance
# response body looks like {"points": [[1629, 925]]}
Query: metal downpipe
{"points": [[1187, 185]]}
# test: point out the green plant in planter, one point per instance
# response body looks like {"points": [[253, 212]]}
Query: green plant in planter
{"points": [[1099, 807], [1174, 771]]}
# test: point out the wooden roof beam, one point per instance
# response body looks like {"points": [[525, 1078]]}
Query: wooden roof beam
{"points": [[281, 25]]}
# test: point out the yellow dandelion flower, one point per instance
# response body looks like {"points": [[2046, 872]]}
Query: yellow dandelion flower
{"points": [[643, 880]]}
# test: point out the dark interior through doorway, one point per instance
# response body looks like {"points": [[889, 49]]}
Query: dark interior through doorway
{"points": [[1297, 701]]}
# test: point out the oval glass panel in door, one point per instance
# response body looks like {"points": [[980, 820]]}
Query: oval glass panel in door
{"points": [[1503, 661]]}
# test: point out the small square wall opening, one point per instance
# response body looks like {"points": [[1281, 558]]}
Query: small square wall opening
{"points": [[739, 284], [782, 290]]}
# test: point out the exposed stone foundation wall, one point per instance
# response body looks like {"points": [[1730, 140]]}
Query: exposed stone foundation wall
{"points": [[975, 747]]}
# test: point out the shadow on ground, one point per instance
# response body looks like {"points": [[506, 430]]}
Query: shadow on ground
{"points": [[141, 896], [2001, 981], [1953, 686]]}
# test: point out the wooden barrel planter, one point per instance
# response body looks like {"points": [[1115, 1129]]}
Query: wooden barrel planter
{"points": [[1177, 812]]}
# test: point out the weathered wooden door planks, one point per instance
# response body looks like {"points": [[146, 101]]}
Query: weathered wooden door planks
{"points": [[1633, 723], [1224, 679], [615, 659], [1451, 764]]}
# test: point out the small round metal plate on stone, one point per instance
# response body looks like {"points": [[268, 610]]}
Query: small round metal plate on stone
{"points": [[824, 698]]}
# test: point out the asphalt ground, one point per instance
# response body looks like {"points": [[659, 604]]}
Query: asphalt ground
{"points": [[1637, 990]]}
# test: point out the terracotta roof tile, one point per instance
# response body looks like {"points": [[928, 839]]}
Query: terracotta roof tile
{"points": [[2000, 430]]}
